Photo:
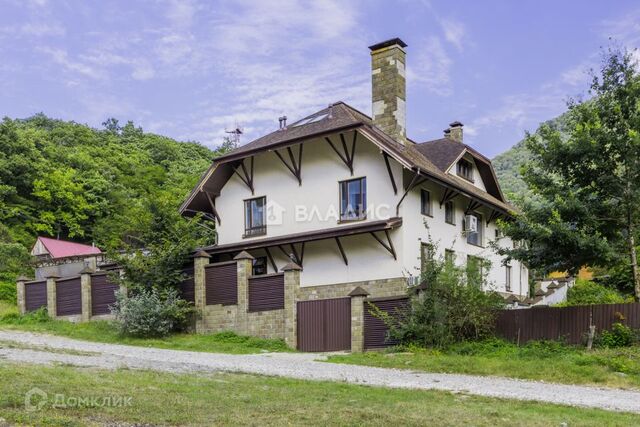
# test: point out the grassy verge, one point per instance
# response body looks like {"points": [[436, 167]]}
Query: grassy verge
{"points": [[548, 361], [224, 399], [106, 332]]}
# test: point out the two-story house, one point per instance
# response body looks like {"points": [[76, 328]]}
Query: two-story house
{"points": [[347, 202]]}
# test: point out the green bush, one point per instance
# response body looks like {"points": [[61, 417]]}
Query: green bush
{"points": [[37, 316], [452, 307], [8, 292], [585, 292], [152, 313], [620, 335]]}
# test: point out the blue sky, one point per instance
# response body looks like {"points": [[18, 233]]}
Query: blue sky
{"points": [[191, 69]]}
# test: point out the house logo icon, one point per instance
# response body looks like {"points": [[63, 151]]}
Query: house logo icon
{"points": [[275, 213]]}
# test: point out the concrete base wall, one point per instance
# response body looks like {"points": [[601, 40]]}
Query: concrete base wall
{"points": [[376, 289]]}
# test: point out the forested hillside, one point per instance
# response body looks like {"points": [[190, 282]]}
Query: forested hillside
{"points": [[104, 186], [507, 165]]}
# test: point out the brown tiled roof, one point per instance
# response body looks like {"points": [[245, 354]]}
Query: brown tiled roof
{"points": [[442, 152], [341, 117]]}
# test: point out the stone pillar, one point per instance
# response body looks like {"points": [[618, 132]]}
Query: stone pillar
{"points": [[357, 319], [291, 286], [245, 268], [51, 295], [22, 301], [85, 289], [200, 260]]}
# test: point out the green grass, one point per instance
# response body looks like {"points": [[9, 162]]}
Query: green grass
{"points": [[106, 332], [234, 399], [548, 361]]}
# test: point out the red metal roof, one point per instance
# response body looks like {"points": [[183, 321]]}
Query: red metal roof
{"points": [[63, 248]]}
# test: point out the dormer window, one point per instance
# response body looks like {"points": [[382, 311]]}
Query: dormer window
{"points": [[465, 170]]}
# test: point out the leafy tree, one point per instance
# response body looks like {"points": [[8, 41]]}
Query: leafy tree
{"points": [[586, 183]]}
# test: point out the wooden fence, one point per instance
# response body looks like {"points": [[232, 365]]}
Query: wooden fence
{"points": [[569, 324]]}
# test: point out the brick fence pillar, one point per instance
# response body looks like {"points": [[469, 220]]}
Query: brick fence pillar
{"points": [[22, 301], [51, 295], [357, 319], [200, 261], [245, 268], [291, 286], [85, 290]]}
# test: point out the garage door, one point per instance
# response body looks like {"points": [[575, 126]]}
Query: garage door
{"points": [[375, 330], [324, 325]]}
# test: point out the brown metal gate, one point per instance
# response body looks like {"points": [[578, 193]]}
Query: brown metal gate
{"points": [[103, 294], [375, 330], [221, 283], [266, 292], [324, 325], [35, 295], [68, 297]]}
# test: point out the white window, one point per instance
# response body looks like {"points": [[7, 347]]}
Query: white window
{"points": [[507, 270], [450, 213]]}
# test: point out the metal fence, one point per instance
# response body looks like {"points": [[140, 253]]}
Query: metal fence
{"points": [[568, 324]]}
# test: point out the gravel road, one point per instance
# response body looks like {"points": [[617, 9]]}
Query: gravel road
{"points": [[47, 349]]}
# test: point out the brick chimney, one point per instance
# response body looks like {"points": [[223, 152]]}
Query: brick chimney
{"points": [[455, 131], [389, 88]]}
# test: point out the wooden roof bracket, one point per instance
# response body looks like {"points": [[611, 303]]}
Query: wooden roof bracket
{"points": [[448, 196], [473, 205], [346, 157], [344, 255], [213, 207], [247, 175], [388, 246], [494, 216], [414, 182], [296, 166], [393, 181], [271, 260]]}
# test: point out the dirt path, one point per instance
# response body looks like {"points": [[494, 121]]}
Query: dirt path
{"points": [[47, 349]]}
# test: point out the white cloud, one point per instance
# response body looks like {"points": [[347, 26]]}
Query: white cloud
{"points": [[61, 57], [454, 32], [431, 67]]}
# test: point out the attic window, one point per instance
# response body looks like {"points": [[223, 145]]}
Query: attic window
{"points": [[465, 170], [309, 120]]}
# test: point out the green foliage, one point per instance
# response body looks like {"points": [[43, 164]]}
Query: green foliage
{"points": [[152, 313], [586, 205], [585, 292], [452, 308], [8, 292], [65, 179], [620, 335]]}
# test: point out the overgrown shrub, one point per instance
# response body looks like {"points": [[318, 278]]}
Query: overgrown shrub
{"points": [[452, 307], [8, 292], [620, 335], [152, 313], [585, 292]]}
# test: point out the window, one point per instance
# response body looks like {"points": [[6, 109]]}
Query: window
{"points": [[427, 252], [498, 234], [425, 203], [476, 237], [450, 213], [449, 256], [259, 266], [507, 282], [353, 199], [465, 169], [475, 270], [255, 219]]}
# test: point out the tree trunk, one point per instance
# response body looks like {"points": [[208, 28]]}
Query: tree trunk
{"points": [[634, 262]]}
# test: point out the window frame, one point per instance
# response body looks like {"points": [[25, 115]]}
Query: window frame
{"points": [[481, 261], [427, 254], [429, 204], [452, 206], [363, 194], [450, 256], [508, 278], [253, 231], [461, 165]]}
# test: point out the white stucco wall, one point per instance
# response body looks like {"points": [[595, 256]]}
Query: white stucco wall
{"points": [[368, 260]]}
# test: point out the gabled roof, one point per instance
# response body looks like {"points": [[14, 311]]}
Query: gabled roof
{"points": [[63, 248], [340, 117]]}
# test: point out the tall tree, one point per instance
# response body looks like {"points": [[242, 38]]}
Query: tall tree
{"points": [[586, 183]]}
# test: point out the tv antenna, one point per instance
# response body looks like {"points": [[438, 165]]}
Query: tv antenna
{"points": [[235, 135]]}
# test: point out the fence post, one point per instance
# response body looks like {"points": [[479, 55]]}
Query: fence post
{"points": [[85, 290], [357, 319], [245, 268], [51, 295], [200, 260], [20, 293], [291, 285]]}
